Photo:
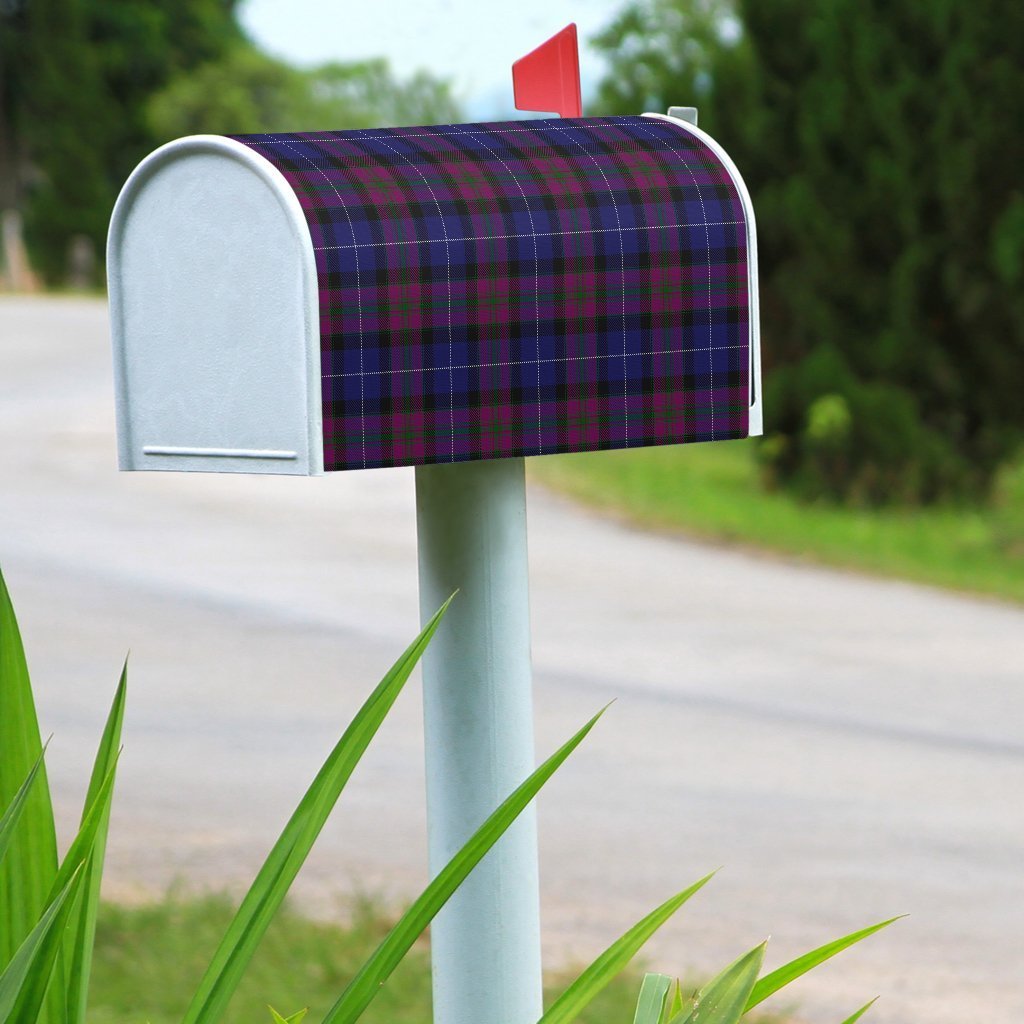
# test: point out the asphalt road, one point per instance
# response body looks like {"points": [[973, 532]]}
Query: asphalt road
{"points": [[846, 748]]}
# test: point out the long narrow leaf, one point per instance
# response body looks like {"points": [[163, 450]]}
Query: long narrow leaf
{"points": [[282, 864], [30, 968], [723, 1000], [675, 1006], [782, 976], [73, 866], [854, 1017], [28, 870], [84, 843], [572, 1001], [651, 1003], [372, 975], [13, 813], [82, 930]]}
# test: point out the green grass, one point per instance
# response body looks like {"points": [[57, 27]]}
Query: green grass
{"points": [[713, 492], [149, 959]]}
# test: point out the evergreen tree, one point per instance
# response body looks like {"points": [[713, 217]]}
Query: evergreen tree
{"points": [[88, 87], [75, 80], [249, 91], [882, 144]]}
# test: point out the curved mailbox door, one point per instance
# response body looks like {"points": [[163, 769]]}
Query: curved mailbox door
{"points": [[214, 315]]}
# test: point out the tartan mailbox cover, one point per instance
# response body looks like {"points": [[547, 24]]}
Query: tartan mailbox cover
{"points": [[385, 297]]}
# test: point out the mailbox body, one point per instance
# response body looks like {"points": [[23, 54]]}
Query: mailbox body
{"points": [[296, 303]]}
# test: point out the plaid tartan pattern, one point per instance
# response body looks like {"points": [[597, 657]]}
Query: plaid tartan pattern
{"points": [[522, 288]]}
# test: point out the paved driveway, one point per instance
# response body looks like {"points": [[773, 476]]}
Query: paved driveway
{"points": [[846, 748]]}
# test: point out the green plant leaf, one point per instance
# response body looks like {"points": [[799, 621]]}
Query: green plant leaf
{"points": [[24, 982], [282, 864], [854, 1017], [675, 1006], [30, 866], [572, 1001], [372, 975], [723, 1000], [84, 843], [17, 805], [651, 1003], [782, 976], [295, 1018], [73, 866], [82, 930]]}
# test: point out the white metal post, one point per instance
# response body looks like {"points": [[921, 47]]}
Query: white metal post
{"points": [[478, 711]]}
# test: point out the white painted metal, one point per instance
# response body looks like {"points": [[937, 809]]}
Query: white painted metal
{"points": [[756, 416], [683, 114], [478, 710], [214, 315]]}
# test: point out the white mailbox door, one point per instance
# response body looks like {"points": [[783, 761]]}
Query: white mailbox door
{"points": [[214, 307]]}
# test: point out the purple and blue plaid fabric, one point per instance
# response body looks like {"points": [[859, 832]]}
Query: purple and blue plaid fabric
{"points": [[522, 288]]}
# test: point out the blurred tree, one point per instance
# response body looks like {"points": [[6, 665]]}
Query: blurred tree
{"points": [[882, 143], [88, 87], [367, 92], [248, 91], [75, 76], [244, 91], [12, 17]]}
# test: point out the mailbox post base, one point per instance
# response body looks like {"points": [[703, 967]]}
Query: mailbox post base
{"points": [[478, 719]]}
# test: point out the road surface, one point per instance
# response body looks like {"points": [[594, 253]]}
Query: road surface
{"points": [[846, 748]]}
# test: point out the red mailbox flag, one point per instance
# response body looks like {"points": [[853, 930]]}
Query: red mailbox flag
{"points": [[548, 78]]}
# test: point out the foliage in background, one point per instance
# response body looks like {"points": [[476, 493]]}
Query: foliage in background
{"points": [[76, 77], [1007, 513], [250, 89], [89, 87], [714, 491], [146, 956], [884, 166]]}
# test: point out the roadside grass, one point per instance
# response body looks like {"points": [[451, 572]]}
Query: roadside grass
{"points": [[713, 492], [150, 957]]}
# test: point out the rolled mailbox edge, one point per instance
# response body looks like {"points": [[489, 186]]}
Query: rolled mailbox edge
{"points": [[162, 293], [755, 426]]}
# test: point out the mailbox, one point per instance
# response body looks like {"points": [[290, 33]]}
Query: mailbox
{"points": [[305, 302], [469, 293]]}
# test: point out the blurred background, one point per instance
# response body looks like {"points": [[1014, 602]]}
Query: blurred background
{"points": [[883, 145]]}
